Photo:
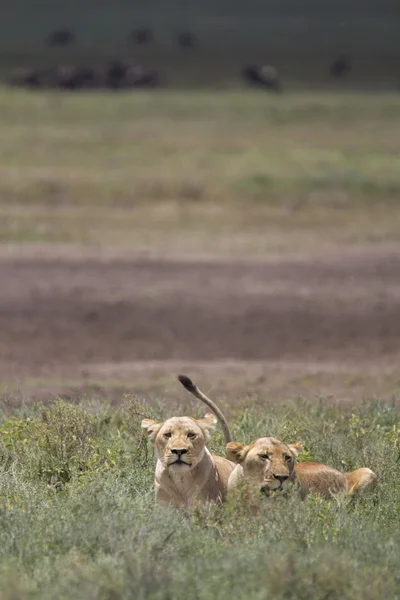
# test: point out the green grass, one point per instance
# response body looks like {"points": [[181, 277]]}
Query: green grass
{"points": [[174, 170], [78, 518]]}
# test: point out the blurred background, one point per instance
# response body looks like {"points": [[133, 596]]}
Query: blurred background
{"points": [[207, 43], [207, 187]]}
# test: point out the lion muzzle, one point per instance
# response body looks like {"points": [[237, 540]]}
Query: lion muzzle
{"points": [[276, 483], [281, 478], [179, 453]]}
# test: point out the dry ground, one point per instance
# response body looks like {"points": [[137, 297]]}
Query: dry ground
{"points": [[283, 326]]}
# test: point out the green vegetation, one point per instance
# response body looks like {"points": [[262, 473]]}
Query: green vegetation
{"points": [[78, 518], [170, 170], [219, 173]]}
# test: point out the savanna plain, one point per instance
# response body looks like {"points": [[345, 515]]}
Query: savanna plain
{"points": [[250, 241]]}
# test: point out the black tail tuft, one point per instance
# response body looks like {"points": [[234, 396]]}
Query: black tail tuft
{"points": [[187, 383]]}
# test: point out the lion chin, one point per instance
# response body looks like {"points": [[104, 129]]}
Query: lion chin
{"points": [[275, 488], [179, 466]]}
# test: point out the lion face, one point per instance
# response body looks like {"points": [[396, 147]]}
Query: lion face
{"points": [[267, 463], [180, 441]]}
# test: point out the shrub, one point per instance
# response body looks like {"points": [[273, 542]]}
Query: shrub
{"points": [[65, 441]]}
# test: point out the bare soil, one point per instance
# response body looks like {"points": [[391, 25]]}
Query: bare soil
{"points": [[118, 319]]}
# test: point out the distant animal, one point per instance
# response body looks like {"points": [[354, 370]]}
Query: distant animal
{"points": [[25, 77], [266, 76], [186, 39], [141, 36], [61, 37], [89, 77], [187, 473], [340, 66], [115, 74], [130, 74], [268, 465], [70, 77], [148, 79]]}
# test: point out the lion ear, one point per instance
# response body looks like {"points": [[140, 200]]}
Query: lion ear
{"points": [[296, 448], [150, 429], [207, 424], [236, 452]]}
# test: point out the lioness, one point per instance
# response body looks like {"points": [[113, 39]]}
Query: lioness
{"points": [[269, 465], [186, 472]]}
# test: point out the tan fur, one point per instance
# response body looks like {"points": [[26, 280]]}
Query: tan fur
{"points": [[266, 465], [360, 480], [279, 471], [186, 472], [193, 389], [320, 479]]}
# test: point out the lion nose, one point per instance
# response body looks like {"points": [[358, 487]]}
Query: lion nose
{"points": [[281, 478], [179, 451]]}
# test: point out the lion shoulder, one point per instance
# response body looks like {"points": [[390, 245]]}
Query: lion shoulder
{"points": [[223, 467]]}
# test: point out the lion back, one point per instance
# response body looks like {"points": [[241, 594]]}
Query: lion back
{"points": [[320, 479]]}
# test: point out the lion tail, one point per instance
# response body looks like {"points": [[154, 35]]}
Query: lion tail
{"points": [[193, 389]]}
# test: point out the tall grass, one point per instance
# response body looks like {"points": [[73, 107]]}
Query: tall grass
{"points": [[95, 532]]}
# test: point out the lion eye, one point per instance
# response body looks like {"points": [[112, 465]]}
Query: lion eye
{"points": [[191, 435], [168, 435], [264, 456], [288, 458]]}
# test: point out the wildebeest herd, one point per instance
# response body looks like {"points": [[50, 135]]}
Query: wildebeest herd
{"points": [[129, 74], [119, 74]]}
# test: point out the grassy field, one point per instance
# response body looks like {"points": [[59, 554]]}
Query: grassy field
{"points": [[246, 172], [252, 240], [77, 516]]}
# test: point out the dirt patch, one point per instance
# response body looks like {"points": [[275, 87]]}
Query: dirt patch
{"points": [[73, 318]]}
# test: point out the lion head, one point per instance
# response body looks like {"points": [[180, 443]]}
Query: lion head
{"points": [[180, 442], [266, 464]]}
